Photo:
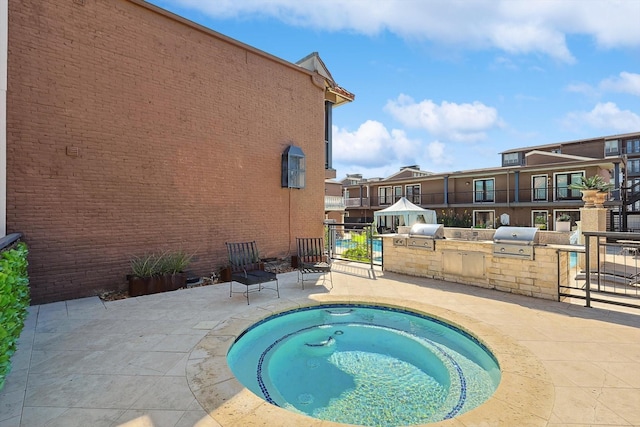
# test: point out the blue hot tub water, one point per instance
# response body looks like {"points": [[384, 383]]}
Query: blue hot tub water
{"points": [[364, 365]]}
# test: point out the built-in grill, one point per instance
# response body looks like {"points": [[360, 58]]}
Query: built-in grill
{"points": [[423, 236], [515, 242]]}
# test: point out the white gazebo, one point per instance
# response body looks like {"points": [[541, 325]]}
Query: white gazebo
{"points": [[407, 213]]}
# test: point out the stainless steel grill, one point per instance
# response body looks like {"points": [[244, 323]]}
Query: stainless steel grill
{"points": [[423, 236], [515, 242]]}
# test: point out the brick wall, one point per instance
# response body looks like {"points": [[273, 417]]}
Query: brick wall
{"points": [[131, 131]]}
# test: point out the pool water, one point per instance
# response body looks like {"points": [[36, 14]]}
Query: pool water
{"points": [[364, 365]]}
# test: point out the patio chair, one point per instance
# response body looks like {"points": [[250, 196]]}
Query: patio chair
{"points": [[313, 259], [246, 268]]}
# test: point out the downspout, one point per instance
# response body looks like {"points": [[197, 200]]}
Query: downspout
{"points": [[4, 38]]}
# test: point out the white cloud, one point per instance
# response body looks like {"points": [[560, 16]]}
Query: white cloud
{"points": [[605, 116], [455, 122], [374, 148], [437, 154], [372, 145], [583, 88], [514, 26], [519, 38], [624, 83]]}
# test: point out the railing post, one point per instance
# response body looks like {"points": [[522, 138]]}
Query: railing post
{"points": [[588, 269], [332, 240], [558, 272]]}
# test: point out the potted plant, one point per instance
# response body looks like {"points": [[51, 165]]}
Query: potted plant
{"points": [[144, 275], [174, 269], [590, 188], [154, 273], [563, 223]]}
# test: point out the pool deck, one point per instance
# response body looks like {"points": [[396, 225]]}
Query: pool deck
{"points": [[158, 360]]}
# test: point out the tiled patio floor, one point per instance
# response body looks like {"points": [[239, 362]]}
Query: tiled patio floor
{"points": [[142, 361]]}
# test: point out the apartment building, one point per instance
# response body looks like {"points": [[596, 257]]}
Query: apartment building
{"points": [[132, 130], [531, 187]]}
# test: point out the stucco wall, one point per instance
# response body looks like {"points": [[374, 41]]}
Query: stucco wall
{"points": [[129, 131]]}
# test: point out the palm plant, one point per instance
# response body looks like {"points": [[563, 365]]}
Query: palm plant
{"points": [[594, 182]]}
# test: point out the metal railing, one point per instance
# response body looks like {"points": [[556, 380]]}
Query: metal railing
{"points": [[606, 270], [524, 195], [357, 243]]}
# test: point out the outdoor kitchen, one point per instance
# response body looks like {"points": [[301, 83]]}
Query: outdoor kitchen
{"points": [[520, 260]]}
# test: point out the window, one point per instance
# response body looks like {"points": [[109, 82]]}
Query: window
{"points": [[483, 190], [633, 166], [611, 148], [633, 146], [328, 118], [539, 188], [562, 181], [397, 192], [511, 159], [413, 193], [540, 219], [483, 219], [384, 194], [293, 167]]}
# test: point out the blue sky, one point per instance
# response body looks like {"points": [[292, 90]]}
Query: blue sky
{"points": [[449, 84]]}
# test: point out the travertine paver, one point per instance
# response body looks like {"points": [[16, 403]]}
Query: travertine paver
{"points": [[158, 360]]}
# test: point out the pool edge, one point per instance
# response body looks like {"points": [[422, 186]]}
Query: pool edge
{"points": [[524, 396]]}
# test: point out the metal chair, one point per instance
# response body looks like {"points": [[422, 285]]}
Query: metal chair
{"points": [[246, 268], [313, 259]]}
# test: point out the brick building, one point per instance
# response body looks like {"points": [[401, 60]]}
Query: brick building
{"points": [[132, 130], [531, 187]]}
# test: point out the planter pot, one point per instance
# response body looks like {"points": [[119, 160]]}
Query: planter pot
{"points": [[154, 284], [600, 198], [589, 197], [563, 225], [137, 285], [177, 281], [294, 261], [225, 275]]}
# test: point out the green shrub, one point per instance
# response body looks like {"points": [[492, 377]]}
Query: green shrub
{"points": [[360, 252], [14, 301], [451, 219], [145, 266], [175, 262], [158, 264]]}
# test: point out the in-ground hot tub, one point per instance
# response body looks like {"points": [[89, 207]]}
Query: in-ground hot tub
{"points": [[364, 364]]}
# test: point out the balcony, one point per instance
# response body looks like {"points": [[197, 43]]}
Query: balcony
{"points": [[358, 202], [334, 203], [525, 196]]}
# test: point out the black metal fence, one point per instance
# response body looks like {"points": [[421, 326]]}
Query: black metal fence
{"points": [[607, 270], [354, 242]]}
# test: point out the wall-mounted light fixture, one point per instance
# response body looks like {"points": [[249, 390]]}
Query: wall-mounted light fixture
{"points": [[293, 167]]}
